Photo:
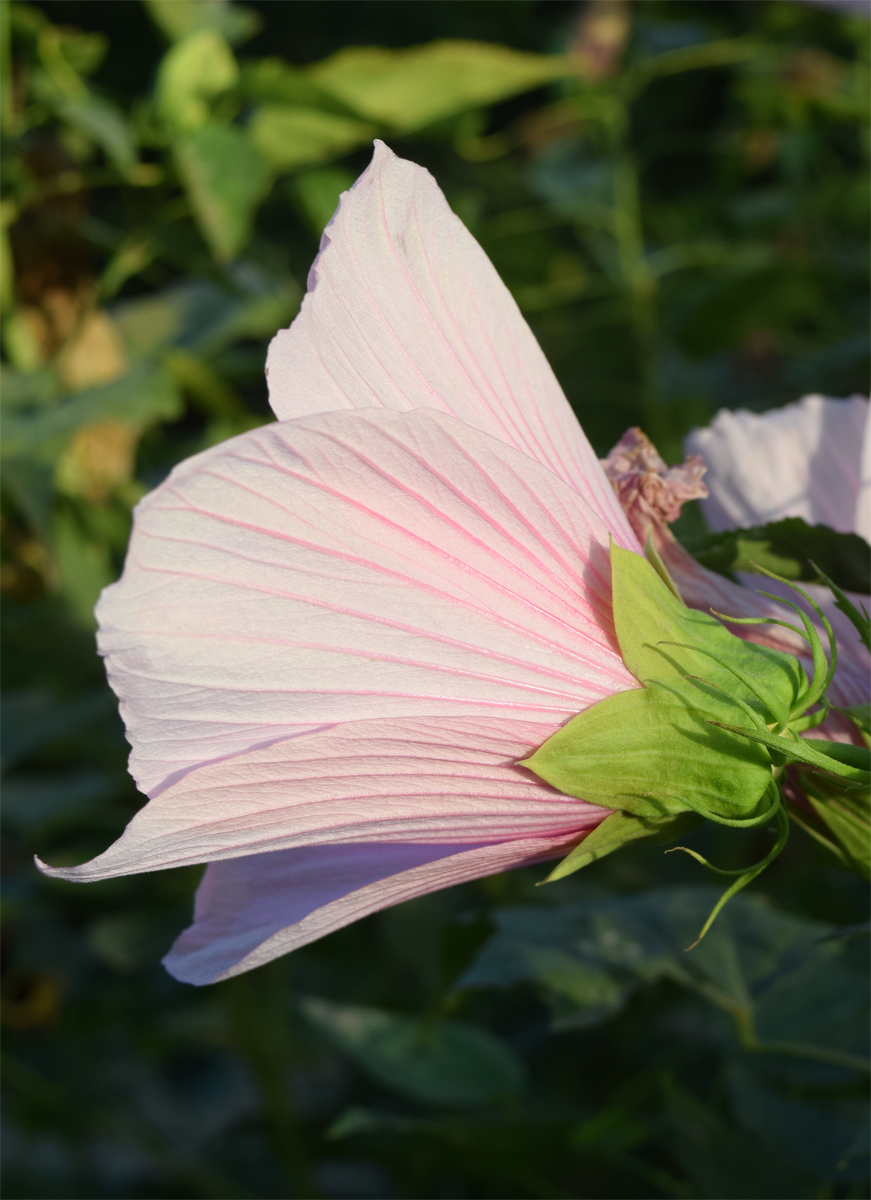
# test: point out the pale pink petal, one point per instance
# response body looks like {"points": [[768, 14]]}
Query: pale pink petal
{"points": [[435, 781], [405, 311], [251, 910], [810, 459], [862, 524], [354, 566]]}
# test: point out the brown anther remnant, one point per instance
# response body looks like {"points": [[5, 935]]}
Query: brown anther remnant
{"points": [[650, 492]]}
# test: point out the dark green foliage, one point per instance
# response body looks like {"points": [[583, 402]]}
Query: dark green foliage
{"points": [[685, 226], [790, 548]]}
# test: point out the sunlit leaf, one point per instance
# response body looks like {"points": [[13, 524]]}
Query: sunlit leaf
{"points": [[290, 136], [406, 89], [194, 71], [226, 178], [317, 193], [663, 640], [178, 18]]}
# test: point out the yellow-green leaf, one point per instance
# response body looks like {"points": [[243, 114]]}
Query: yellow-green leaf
{"points": [[293, 136], [192, 73], [226, 177], [407, 89]]}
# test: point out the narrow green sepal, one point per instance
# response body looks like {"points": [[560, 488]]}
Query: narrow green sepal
{"points": [[850, 763], [860, 715], [860, 620], [618, 830], [840, 819], [810, 720], [749, 875]]}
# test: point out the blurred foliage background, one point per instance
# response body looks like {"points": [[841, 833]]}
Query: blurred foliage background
{"points": [[677, 195]]}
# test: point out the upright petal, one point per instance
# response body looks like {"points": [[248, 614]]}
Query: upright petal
{"points": [[435, 781], [354, 566], [811, 459], [251, 910], [405, 311]]}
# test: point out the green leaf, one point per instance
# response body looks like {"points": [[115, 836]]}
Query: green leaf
{"points": [[193, 72], [445, 1062], [786, 548], [787, 990], [226, 178], [33, 719], [317, 193], [202, 317], [646, 752], [105, 125], [179, 18], [647, 615], [292, 136], [84, 565], [407, 89], [817, 1137], [40, 801], [141, 397], [273, 81]]}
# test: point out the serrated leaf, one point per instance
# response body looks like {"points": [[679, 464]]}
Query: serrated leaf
{"points": [[441, 1062], [226, 177]]}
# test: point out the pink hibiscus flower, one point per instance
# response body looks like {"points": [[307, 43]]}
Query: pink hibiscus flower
{"points": [[335, 635]]}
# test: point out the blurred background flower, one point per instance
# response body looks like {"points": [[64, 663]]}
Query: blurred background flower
{"points": [[676, 194]]}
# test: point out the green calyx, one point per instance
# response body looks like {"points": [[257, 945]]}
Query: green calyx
{"points": [[707, 735]]}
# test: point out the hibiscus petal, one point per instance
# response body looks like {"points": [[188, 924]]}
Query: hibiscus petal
{"points": [[811, 459], [405, 311], [353, 566], [251, 910], [436, 781]]}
